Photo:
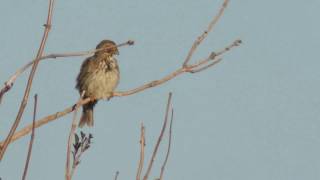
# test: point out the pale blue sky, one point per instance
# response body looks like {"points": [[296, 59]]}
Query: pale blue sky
{"points": [[253, 116]]}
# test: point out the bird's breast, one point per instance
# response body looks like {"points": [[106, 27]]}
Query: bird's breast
{"points": [[102, 82]]}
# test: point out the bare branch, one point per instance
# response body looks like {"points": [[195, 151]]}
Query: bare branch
{"points": [[32, 138], [198, 41], [32, 73], [68, 174], [169, 147], [142, 145], [159, 138], [10, 82]]}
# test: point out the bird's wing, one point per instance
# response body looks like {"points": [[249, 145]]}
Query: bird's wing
{"points": [[87, 68]]}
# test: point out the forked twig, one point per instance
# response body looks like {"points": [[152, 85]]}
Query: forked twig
{"points": [[211, 25], [193, 68]]}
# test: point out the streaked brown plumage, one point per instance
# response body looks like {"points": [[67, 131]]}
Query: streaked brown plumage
{"points": [[98, 77]]}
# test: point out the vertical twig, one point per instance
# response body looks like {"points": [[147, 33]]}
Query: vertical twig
{"points": [[32, 73], [159, 139], [68, 173], [169, 147], [32, 137], [142, 145]]}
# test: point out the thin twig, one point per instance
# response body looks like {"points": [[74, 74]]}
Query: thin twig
{"points": [[68, 174], [169, 147], [211, 25], [32, 73], [159, 138], [10, 82], [206, 66], [32, 137], [142, 145], [116, 176]]}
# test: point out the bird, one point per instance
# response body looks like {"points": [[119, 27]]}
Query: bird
{"points": [[98, 77]]}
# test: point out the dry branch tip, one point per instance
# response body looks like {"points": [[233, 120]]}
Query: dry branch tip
{"points": [[130, 42]]}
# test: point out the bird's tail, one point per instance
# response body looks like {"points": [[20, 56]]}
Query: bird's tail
{"points": [[87, 114]]}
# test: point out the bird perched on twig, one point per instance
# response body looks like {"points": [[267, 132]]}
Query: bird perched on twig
{"points": [[98, 77]]}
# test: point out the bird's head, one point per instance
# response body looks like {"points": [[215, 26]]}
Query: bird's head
{"points": [[109, 46]]}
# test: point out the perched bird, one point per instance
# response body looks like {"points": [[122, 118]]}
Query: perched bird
{"points": [[99, 76]]}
